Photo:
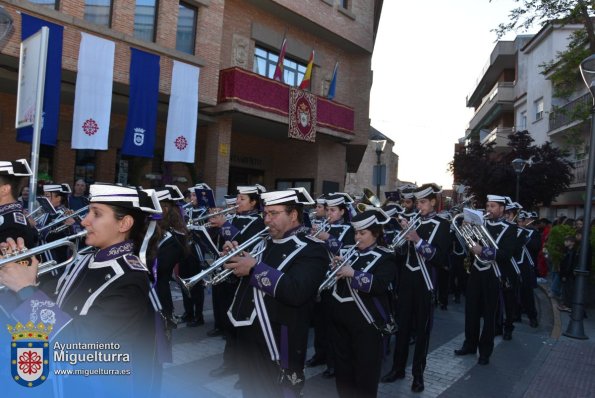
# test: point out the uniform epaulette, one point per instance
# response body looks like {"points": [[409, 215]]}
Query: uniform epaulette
{"points": [[133, 262], [443, 217], [312, 238]]}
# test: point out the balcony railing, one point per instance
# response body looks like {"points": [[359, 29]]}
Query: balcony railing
{"points": [[264, 94], [499, 135], [501, 94], [563, 116], [580, 171]]}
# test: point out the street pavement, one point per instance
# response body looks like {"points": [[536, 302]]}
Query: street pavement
{"points": [[535, 363]]}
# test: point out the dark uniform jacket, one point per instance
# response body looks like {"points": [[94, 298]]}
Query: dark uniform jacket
{"points": [[505, 235], [279, 295], [340, 235], [369, 289], [432, 250], [242, 227], [13, 224]]}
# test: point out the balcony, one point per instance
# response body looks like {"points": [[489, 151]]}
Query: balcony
{"points": [[499, 135], [500, 98], [563, 119], [244, 91]]}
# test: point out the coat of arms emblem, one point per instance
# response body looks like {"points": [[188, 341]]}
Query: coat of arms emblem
{"points": [[139, 136], [29, 353], [304, 115]]}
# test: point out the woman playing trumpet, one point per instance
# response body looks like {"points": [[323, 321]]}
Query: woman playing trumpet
{"points": [[360, 308], [103, 297]]}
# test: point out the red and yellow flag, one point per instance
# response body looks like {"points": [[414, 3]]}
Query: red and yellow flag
{"points": [[279, 68], [305, 84]]}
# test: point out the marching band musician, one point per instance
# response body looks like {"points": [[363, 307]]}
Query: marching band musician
{"points": [[57, 194], [172, 247], [319, 211], [509, 290], [246, 223], [103, 297], [273, 302], [361, 307], [13, 221], [483, 284], [427, 250], [531, 243]]}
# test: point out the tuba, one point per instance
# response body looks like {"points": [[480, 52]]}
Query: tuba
{"points": [[368, 199]]}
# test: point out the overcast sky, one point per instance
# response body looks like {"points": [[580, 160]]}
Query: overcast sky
{"points": [[426, 61]]}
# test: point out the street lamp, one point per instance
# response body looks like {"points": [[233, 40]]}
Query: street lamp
{"points": [[575, 326], [518, 165], [379, 149]]}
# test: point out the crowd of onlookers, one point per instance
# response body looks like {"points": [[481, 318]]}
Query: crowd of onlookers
{"points": [[559, 257]]}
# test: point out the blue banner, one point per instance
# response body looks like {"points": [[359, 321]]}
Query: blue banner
{"points": [[139, 138], [53, 79]]}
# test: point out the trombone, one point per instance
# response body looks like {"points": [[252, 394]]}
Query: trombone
{"points": [[216, 271], [63, 218], [48, 266], [331, 279]]}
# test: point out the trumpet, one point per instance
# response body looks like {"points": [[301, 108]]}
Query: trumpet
{"points": [[331, 279], [201, 219], [48, 266], [216, 271], [63, 218], [324, 226], [399, 239]]}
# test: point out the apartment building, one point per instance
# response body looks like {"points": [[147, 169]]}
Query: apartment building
{"points": [[243, 114]]}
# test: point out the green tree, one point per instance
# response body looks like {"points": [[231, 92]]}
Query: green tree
{"points": [[485, 171]]}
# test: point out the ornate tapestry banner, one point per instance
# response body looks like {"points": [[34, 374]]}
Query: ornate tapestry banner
{"points": [[302, 115]]}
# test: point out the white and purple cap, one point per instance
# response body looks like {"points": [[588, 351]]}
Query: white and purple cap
{"points": [[145, 200], [497, 199], [248, 189], [297, 195], [169, 192], [59, 188], [374, 215], [338, 198], [426, 190], [16, 168]]}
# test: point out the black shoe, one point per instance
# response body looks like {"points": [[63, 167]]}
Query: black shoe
{"points": [[215, 332], [314, 361], [195, 323], [533, 322], [186, 318], [418, 384], [464, 351], [483, 361], [329, 373], [222, 371], [170, 323], [443, 307], [498, 332], [392, 376], [507, 336]]}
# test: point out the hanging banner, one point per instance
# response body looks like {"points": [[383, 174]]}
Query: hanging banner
{"points": [[302, 115]]}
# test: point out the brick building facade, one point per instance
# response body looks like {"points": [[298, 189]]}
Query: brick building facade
{"points": [[239, 140]]}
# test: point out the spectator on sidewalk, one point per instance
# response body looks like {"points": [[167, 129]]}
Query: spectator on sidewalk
{"points": [[567, 266]]}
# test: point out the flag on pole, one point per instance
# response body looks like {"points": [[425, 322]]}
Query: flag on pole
{"points": [[141, 126], [305, 84], [93, 93], [333, 85], [53, 79], [182, 115], [279, 68]]}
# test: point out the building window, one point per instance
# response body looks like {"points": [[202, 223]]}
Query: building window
{"points": [[47, 3], [145, 19], [539, 109], [344, 4], [265, 63], [84, 167], [283, 184], [98, 12], [523, 121], [186, 33]]}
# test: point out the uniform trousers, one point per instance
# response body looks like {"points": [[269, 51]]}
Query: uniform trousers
{"points": [[358, 348], [528, 283], [481, 301], [414, 314]]}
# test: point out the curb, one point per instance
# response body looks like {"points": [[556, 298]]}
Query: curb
{"points": [[557, 329]]}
